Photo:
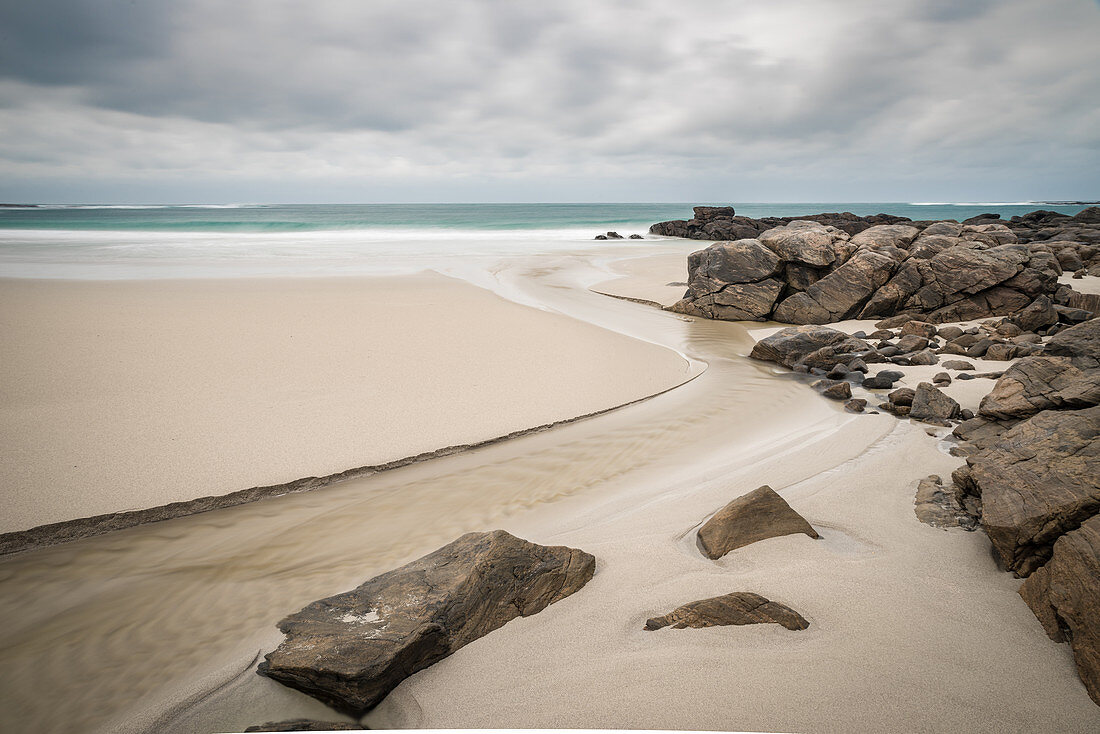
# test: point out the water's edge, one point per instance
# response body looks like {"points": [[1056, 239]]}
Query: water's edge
{"points": [[42, 536]]}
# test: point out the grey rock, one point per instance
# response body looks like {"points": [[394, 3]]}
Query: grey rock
{"points": [[352, 649]]}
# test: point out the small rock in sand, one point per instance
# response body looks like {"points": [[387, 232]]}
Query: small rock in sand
{"points": [[758, 515], [740, 607]]}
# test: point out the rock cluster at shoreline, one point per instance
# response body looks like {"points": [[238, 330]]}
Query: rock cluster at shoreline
{"points": [[1032, 475], [830, 267]]}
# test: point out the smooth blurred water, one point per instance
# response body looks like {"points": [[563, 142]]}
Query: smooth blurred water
{"points": [[149, 241]]}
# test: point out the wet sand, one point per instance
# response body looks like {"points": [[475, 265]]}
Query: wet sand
{"points": [[133, 394], [912, 628]]}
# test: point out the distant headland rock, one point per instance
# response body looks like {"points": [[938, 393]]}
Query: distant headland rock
{"points": [[823, 268]]}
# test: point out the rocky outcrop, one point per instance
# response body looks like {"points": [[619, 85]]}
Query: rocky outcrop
{"points": [[1065, 596], [740, 607], [826, 268], [1034, 384], [352, 649], [1036, 481], [758, 515]]}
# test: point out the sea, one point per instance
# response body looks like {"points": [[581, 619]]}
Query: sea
{"points": [[231, 240]]}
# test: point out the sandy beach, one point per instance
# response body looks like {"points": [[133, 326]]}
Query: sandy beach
{"points": [[130, 394], [911, 627]]}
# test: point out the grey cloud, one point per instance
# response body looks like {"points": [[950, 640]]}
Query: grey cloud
{"points": [[571, 89]]}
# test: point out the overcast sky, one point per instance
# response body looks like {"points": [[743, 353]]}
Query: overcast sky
{"points": [[549, 100]]}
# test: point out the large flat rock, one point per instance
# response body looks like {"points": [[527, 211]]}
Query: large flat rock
{"points": [[352, 649], [758, 515]]}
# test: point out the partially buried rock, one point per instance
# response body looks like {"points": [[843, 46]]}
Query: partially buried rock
{"points": [[740, 607], [305, 725], [352, 649], [758, 515], [856, 405], [936, 506]]}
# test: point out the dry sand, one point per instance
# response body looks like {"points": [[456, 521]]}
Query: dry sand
{"points": [[131, 394], [912, 628]]}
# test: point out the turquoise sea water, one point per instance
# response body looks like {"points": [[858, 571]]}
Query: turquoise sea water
{"points": [[491, 217], [93, 241]]}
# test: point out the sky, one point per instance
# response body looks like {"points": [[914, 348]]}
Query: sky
{"points": [[346, 101]]}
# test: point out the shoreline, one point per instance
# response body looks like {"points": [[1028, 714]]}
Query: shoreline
{"points": [[177, 608], [43, 536], [123, 398]]}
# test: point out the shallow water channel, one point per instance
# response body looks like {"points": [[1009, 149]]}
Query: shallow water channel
{"points": [[127, 630]]}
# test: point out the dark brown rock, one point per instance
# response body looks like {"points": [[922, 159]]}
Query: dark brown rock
{"points": [[856, 405], [1080, 343], [919, 328], [839, 391], [740, 607], [957, 364], [902, 396], [792, 344], [1037, 481], [352, 649], [1039, 314], [1041, 383], [758, 515], [929, 403], [1065, 596]]}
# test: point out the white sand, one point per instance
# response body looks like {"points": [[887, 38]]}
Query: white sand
{"points": [[1087, 284], [125, 395], [657, 278], [912, 628]]}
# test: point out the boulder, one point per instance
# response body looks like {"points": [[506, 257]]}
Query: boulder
{"points": [[792, 344], [957, 364], [1090, 214], [1039, 383], [352, 649], [755, 516], [1037, 481], [1039, 314], [930, 404], [1080, 343], [839, 391], [740, 607], [838, 294], [919, 328], [902, 396], [1065, 596], [808, 243], [856, 405]]}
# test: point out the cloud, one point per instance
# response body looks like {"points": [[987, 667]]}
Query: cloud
{"points": [[342, 99]]}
